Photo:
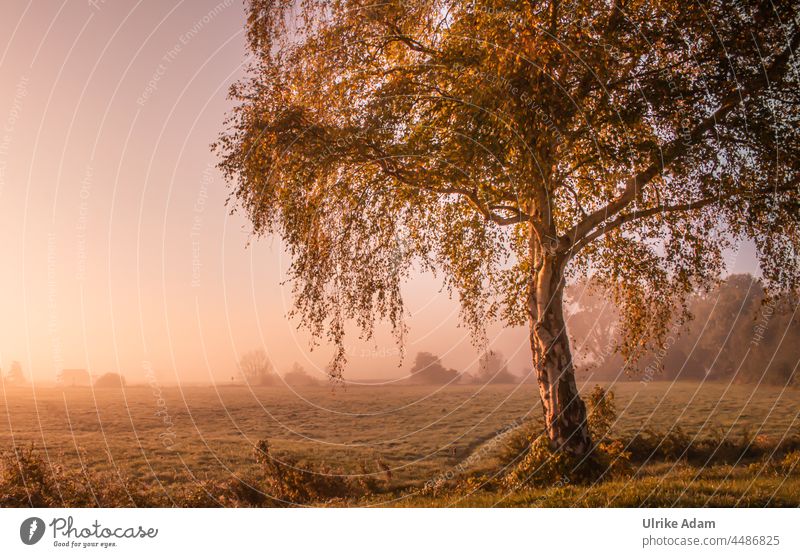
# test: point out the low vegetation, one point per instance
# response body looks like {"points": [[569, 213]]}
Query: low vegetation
{"points": [[110, 381], [511, 466]]}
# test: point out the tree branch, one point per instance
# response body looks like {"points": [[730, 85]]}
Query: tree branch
{"points": [[518, 216], [679, 146], [413, 44], [681, 207]]}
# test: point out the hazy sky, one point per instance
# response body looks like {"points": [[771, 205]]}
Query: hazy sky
{"points": [[117, 248]]}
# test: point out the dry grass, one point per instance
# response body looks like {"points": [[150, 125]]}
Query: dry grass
{"points": [[198, 445]]}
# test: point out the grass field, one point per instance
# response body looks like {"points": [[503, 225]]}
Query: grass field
{"points": [[170, 437]]}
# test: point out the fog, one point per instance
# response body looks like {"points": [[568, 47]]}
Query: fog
{"points": [[119, 253]]}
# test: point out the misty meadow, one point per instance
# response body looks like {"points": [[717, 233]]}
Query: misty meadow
{"points": [[408, 253]]}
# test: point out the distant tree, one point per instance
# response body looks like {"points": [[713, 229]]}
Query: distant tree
{"points": [[15, 374], [773, 354], [110, 381], [513, 145], [256, 368], [743, 335], [594, 326], [299, 377], [428, 370], [718, 340], [738, 334], [493, 370]]}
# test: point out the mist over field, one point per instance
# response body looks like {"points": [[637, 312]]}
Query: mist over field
{"points": [[119, 250], [412, 253]]}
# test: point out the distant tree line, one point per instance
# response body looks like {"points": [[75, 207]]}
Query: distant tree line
{"points": [[492, 369], [256, 369], [66, 378], [734, 333]]}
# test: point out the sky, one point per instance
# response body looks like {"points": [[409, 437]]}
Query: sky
{"points": [[117, 250]]}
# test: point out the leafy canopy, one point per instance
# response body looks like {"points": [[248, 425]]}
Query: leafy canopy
{"points": [[631, 140]]}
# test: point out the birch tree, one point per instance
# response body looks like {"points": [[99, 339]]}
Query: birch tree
{"points": [[511, 146]]}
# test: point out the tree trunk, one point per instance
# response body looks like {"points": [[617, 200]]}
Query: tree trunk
{"points": [[564, 411]]}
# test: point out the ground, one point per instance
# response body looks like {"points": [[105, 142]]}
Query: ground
{"points": [[407, 436]]}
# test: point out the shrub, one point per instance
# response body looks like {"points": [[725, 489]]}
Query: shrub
{"points": [[518, 441], [533, 462], [289, 481], [790, 464], [648, 445], [110, 381], [602, 412], [540, 466], [28, 480], [299, 377], [24, 479], [720, 447]]}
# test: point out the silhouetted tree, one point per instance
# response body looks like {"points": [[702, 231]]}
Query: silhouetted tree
{"points": [[110, 381], [737, 334], [493, 370], [743, 335], [15, 374], [256, 368], [515, 144], [299, 377], [428, 370]]}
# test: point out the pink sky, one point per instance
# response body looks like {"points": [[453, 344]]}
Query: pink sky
{"points": [[116, 247]]}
